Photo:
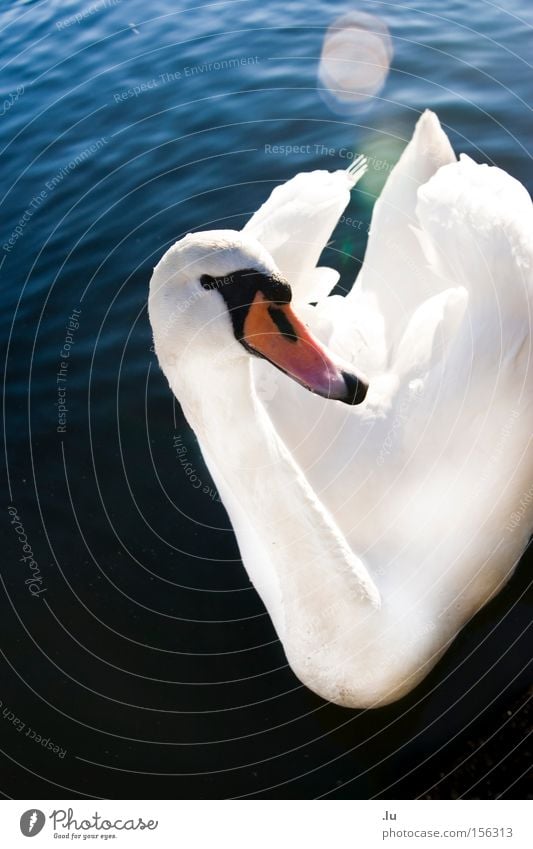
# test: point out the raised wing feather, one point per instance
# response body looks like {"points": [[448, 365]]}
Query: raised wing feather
{"points": [[396, 269], [297, 220]]}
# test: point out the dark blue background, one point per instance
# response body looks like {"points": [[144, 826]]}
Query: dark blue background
{"points": [[150, 653]]}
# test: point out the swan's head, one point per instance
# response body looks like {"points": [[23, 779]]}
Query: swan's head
{"points": [[217, 297]]}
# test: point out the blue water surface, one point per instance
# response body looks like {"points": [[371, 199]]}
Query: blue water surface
{"points": [[123, 126]]}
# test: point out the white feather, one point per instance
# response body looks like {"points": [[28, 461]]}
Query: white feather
{"points": [[297, 220]]}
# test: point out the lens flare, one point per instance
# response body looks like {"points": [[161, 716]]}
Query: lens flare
{"points": [[355, 60]]}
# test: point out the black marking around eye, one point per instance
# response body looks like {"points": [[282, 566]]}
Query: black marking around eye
{"points": [[283, 323], [240, 288], [209, 282], [277, 290]]}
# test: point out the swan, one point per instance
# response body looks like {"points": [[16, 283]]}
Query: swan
{"points": [[376, 513]]}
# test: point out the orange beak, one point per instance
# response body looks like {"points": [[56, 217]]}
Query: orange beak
{"points": [[272, 330]]}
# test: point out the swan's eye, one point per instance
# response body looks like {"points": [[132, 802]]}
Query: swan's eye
{"points": [[247, 282], [240, 290]]}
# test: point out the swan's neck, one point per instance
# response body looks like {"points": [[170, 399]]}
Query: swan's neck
{"points": [[296, 555]]}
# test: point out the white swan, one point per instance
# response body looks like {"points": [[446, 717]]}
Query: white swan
{"points": [[372, 531]]}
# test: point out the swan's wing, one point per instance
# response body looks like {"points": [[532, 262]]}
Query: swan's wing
{"points": [[461, 369], [479, 221], [397, 269], [387, 304], [297, 220], [469, 441], [433, 485]]}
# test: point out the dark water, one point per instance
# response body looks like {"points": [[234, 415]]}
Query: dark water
{"points": [[146, 656]]}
